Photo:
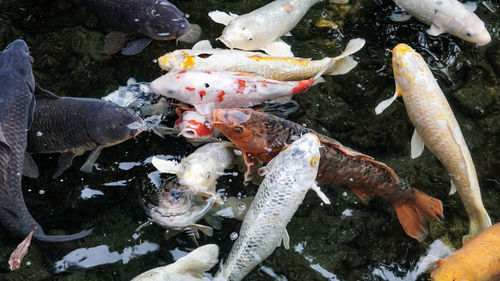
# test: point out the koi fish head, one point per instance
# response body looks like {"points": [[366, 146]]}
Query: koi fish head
{"points": [[406, 65], [168, 61], [193, 125], [238, 126], [168, 85], [162, 21], [241, 34], [307, 147], [469, 28]]}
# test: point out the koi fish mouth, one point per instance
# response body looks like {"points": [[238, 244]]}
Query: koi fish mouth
{"points": [[221, 38], [189, 133]]}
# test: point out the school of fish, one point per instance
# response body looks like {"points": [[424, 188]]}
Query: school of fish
{"points": [[210, 94]]}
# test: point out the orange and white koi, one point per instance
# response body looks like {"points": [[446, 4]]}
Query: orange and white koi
{"points": [[205, 58], [193, 125], [437, 128], [207, 90], [479, 260]]}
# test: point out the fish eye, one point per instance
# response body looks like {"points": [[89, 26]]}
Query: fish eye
{"points": [[314, 161], [208, 175], [250, 38], [469, 33], [237, 130], [397, 63]]}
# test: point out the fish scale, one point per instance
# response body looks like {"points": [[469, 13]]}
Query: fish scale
{"points": [[117, 13], [290, 175]]}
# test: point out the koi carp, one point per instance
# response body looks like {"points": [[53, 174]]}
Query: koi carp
{"points": [[205, 58], [261, 136], [207, 90], [437, 128]]}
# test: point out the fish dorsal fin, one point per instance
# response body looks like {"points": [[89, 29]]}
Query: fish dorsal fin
{"points": [[320, 194], [470, 6], [386, 103], [457, 137], [45, 94], [89, 163], [198, 261], [222, 17], [204, 108], [202, 45], [167, 166], [136, 46], [286, 239], [278, 48], [435, 30], [417, 145], [30, 169], [453, 188]]}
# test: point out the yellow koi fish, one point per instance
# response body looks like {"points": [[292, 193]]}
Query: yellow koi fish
{"points": [[437, 128], [205, 58]]}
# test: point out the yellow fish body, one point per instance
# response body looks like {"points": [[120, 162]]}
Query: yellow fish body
{"points": [[437, 128], [205, 58]]}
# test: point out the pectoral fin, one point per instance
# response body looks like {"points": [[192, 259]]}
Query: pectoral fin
{"points": [[204, 108], [278, 48], [471, 6], [202, 45], [30, 168], [417, 145], [89, 163], [114, 41], [453, 188], [435, 30], [286, 239], [135, 46], [399, 16], [192, 36], [320, 193], [386, 103], [63, 163], [221, 17]]}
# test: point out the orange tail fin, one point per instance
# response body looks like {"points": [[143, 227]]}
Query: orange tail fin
{"points": [[414, 213]]}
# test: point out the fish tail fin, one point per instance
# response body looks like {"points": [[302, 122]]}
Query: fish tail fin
{"points": [[199, 261], [192, 36], [414, 213], [318, 79], [343, 63], [477, 224]]}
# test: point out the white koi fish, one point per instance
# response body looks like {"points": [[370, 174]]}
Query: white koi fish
{"points": [[188, 268], [205, 58], [201, 169], [207, 90], [288, 178], [261, 29], [448, 16], [437, 128]]}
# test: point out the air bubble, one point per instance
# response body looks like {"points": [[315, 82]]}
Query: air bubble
{"points": [[233, 236]]}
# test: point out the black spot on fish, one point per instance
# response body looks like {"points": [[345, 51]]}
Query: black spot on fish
{"points": [[206, 85], [435, 11], [204, 56]]}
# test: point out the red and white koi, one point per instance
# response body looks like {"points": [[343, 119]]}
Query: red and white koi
{"points": [[207, 90], [205, 58], [193, 125]]}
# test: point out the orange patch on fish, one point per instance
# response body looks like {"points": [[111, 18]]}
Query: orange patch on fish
{"points": [[188, 61], [200, 128], [288, 7], [302, 86], [202, 94], [220, 96], [241, 86], [190, 89]]}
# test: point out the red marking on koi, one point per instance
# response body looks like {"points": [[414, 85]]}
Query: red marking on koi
{"points": [[221, 96], [208, 72], [202, 94], [241, 86], [190, 89], [244, 74], [302, 86], [200, 128]]}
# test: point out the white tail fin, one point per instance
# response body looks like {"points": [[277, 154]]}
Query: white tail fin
{"points": [[199, 260], [318, 79], [343, 63]]}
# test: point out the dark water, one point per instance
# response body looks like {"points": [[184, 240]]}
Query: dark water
{"points": [[345, 241]]}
